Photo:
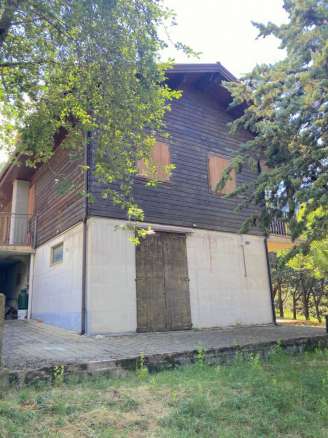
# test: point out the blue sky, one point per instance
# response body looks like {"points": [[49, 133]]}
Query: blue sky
{"points": [[222, 31]]}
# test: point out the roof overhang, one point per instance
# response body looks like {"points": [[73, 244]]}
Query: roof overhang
{"points": [[205, 77], [202, 69], [15, 169]]}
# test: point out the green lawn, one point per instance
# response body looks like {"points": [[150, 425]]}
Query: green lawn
{"points": [[287, 396]]}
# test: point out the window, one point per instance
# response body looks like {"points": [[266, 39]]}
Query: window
{"points": [[158, 166], [263, 167], [216, 167], [57, 254]]}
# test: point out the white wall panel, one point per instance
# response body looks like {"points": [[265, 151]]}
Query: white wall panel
{"points": [[57, 289], [227, 287], [111, 290]]}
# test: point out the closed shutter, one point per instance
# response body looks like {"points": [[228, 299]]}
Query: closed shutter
{"points": [[160, 158], [216, 167], [263, 166]]}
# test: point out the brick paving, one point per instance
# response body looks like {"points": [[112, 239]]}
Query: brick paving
{"points": [[31, 344]]}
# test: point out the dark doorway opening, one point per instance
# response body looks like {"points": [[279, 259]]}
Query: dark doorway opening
{"points": [[14, 277]]}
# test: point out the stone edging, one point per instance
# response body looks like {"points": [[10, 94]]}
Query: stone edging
{"points": [[156, 362]]}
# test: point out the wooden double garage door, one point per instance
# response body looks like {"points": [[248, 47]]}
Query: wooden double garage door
{"points": [[162, 283]]}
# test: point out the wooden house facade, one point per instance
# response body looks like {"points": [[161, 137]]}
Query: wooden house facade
{"points": [[195, 271]]}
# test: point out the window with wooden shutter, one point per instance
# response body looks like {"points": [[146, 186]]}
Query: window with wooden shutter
{"points": [[157, 168], [263, 166], [216, 167]]}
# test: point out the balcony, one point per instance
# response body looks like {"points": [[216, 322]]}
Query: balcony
{"points": [[279, 228], [16, 230], [279, 239]]}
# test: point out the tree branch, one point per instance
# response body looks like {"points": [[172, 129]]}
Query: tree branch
{"points": [[21, 64], [7, 17]]}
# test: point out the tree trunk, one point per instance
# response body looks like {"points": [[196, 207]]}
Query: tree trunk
{"points": [[294, 306], [306, 312], [316, 300], [280, 302], [305, 300]]}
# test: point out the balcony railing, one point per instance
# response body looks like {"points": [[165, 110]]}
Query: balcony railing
{"points": [[16, 229], [279, 228]]}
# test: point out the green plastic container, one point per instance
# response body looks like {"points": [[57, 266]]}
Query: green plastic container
{"points": [[22, 300]]}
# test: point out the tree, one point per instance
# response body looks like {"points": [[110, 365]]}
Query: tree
{"points": [[285, 106], [75, 67], [298, 285]]}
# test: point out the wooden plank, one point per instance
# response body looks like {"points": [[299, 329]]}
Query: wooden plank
{"points": [[151, 300], [176, 281]]}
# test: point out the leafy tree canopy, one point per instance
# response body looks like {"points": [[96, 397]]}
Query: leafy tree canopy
{"points": [[316, 258], [286, 107], [80, 66]]}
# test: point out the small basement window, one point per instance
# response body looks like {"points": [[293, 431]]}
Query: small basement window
{"points": [[158, 167], [57, 254], [216, 167]]}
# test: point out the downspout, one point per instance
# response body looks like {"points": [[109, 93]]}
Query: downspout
{"points": [[85, 240], [30, 286], [274, 319], [31, 269]]}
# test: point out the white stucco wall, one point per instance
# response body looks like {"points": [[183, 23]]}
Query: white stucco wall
{"points": [[111, 296], [57, 289], [226, 288], [223, 289]]}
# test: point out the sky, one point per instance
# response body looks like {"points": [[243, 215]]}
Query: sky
{"points": [[222, 31]]}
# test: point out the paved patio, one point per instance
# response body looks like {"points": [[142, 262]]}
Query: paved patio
{"points": [[31, 344]]}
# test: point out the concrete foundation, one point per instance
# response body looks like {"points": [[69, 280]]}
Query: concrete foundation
{"points": [[229, 282], [228, 275]]}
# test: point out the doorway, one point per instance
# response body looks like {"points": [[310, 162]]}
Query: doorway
{"points": [[162, 283]]}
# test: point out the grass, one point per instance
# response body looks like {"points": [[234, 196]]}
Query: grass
{"points": [[286, 396], [300, 318]]}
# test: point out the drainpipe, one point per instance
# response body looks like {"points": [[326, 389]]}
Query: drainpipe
{"points": [[30, 286], [274, 319], [31, 268], [84, 244], [84, 277]]}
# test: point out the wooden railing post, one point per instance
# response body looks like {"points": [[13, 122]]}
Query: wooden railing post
{"points": [[2, 319]]}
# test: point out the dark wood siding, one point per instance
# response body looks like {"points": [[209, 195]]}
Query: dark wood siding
{"points": [[198, 127], [58, 210]]}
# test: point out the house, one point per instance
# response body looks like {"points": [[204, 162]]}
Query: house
{"points": [[195, 271]]}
